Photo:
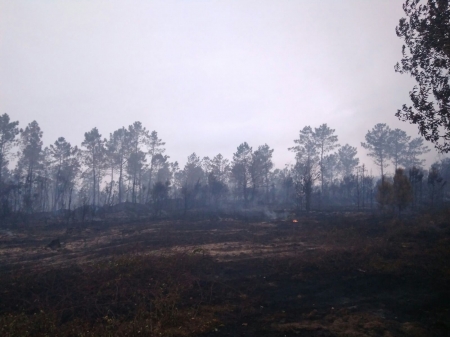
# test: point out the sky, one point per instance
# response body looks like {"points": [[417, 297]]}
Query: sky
{"points": [[206, 75]]}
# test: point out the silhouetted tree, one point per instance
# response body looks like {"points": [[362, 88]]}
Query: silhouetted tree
{"points": [[30, 160], [139, 137], [242, 161], [307, 165], [175, 179], [348, 186], [220, 168], [160, 192], [384, 193], [192, 178], [135, 164], [378, 145], [8, 133], [444, 170], [368, 189], [287, 183], [326, 141], [93, 158], [161, 168], [347, 160], [426, 57], [415, 148], [402, 190], [217, 189], [260, 168], [415, 178], [118, 151], [398, 141], [435, 185], [65, 170], [155, 147], [330, 168]]}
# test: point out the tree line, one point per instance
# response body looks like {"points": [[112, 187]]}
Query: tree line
{"points": [[131, 165]]}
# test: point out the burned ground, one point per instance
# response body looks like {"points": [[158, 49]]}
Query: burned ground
{"points": [[335, 274]]}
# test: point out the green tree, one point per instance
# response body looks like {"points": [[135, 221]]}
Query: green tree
{"points": [[426, 57]]}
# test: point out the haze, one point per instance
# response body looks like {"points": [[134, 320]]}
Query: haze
{"points": [[206, 75]]}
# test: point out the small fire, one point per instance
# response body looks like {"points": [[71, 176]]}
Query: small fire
{"points": [[294, 220]]}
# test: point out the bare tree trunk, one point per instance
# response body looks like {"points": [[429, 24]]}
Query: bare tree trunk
{"points": [[111, 185]]}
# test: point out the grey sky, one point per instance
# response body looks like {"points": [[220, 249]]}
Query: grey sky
{"points": [[206, 75]]}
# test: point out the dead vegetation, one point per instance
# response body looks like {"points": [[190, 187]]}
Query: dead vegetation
{"points": [[352, 274]]}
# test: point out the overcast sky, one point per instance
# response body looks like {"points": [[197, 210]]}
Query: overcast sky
{"points": [[206, 75]]}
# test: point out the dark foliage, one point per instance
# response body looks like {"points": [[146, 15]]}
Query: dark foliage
{"points": [[426, 57]]}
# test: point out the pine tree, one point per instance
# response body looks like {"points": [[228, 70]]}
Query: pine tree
{"points": [[242, 161], [8, 134], [30, 160], [399, 142], [93, 158], [379, 146], [65, 166], [326, 141], [307, 165]]}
